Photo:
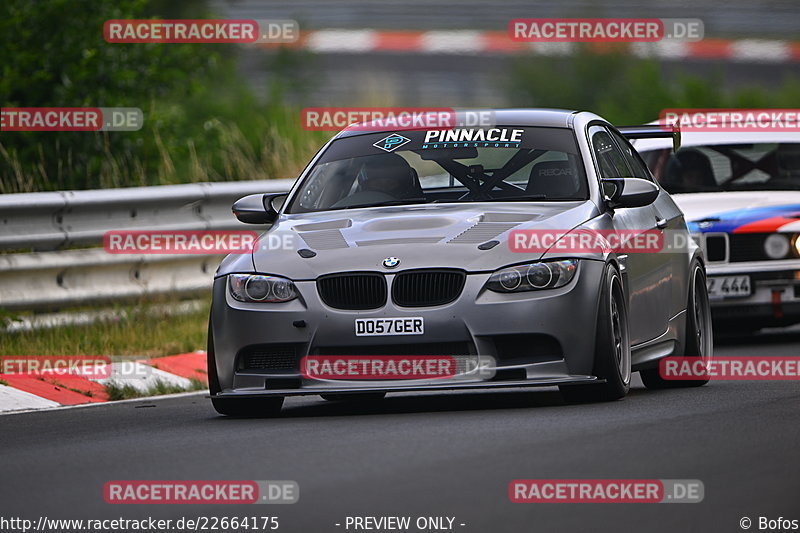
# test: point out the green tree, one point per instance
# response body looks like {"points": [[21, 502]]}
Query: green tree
{"points": [[202, 121], [629, 90], [54, 55]]}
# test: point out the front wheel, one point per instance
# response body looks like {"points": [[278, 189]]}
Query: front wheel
{"points": [[698, 337], [236, 407], [612, 360], [248, 407]]}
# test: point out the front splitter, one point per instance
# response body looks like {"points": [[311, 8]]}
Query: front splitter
{"points": [[328, 389]]}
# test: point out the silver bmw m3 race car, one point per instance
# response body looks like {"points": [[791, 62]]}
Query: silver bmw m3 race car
{"points": [[462, 247]]}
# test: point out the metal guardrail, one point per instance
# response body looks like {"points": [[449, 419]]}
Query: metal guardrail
{"points": [[49, 278], [52, 220], [759, 18]]}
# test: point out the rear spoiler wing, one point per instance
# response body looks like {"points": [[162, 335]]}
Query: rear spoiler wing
{"points": [[653, 131]]}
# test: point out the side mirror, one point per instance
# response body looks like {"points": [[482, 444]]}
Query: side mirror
{"points": [[259, 208], [629, 192]]}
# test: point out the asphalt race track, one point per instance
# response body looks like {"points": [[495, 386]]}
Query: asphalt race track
{"points": [[420, 455]]}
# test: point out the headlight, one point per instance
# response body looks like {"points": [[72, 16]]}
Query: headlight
{"points": [[796, 244], [260, 288], [533, 276], [776, 246]]}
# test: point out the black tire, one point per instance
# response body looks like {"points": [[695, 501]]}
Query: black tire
{"points": [[248, 407], [236, 407], [211, 363], [736, 329], [354, 396], [698, 340], [612, 359]]}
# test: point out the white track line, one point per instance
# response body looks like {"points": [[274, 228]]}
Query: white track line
{"points": [[58, 407]]}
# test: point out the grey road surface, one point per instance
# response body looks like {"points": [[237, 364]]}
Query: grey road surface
{"points": [[419, 455]]}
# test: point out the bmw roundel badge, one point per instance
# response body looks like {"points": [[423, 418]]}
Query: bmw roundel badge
{"points": [[391, 262]]}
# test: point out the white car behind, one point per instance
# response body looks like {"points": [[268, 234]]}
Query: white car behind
{"points": [[740, 192]]}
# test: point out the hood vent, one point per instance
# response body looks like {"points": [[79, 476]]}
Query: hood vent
{"points": [[328, 224], [482, 232], [329, 239], [508, 217], [401, 240]]}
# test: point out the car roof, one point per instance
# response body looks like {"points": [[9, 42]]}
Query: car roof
{"points": [[553, 118], [704, 138]]}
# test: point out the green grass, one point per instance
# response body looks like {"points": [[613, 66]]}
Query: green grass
{"points": [[202, 119], [118, 391], [84, 392], [145, 331], [3, 382], [244, 140]]}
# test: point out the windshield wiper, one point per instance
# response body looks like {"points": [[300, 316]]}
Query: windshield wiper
{"points": [[525, 198], [405, 201]]}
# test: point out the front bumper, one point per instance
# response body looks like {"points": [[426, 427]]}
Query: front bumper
{"points": [[537, 338], [775, 296]]}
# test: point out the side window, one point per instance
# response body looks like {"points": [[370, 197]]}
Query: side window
{"points": [[609, 157], [656, 161], [632, 157]]}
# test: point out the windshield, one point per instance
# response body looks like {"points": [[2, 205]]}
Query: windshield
{"points": [[727, 167], [438, 166]]}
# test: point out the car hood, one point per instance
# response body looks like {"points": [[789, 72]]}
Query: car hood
{"points": [[741, 211], [443, 235]]}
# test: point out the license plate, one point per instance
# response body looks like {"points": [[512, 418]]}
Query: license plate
{"points": [[729, 287], [377, 327]]}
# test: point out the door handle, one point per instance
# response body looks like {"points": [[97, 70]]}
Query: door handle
{"points": [[661, 223]]}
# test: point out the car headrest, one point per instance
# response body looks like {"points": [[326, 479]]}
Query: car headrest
{"points": [[385, 163], [555, 179], [394, 167], [690, 161]]}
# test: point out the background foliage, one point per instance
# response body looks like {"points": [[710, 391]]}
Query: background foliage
{"points": [[202, 122], [627, 90]]}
